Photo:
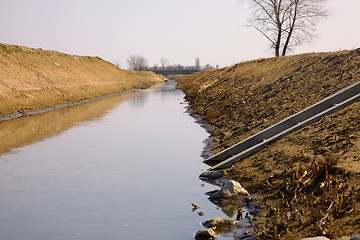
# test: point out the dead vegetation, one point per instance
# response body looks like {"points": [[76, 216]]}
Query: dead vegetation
{"points": [[311, 198], [307, 183]]}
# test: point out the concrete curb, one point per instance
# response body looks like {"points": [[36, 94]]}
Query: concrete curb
{"points": [[314, 113]]}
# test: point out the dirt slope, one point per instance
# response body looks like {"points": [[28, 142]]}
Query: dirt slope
{"points": [[34, 79], [307, 183]]}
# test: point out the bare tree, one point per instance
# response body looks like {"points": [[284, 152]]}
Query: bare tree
{"points": [[164, 63], [286, 23], [137, 63], [155, 67], [208, 66]]}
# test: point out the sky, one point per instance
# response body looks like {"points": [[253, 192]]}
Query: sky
{"points": [[178, 30]]}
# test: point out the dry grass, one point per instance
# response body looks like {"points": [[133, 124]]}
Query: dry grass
{"points": [[312, 198], [242, 100], [34, 78]]}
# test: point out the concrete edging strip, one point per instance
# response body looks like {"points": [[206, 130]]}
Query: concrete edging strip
{"points": [[309, 115]]}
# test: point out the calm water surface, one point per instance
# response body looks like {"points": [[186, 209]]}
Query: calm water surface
{"points": [[124, 167]]}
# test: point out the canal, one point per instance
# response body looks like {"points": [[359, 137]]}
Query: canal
{"points": [[123, 167]]}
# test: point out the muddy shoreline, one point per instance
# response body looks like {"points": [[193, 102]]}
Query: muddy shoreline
{"points": [[25, 113], [64, 105], [307, 184], [239, 211]]}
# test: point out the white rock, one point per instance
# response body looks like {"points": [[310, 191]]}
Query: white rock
{"points": [[231, 188], [345, 238], [316, 238]]}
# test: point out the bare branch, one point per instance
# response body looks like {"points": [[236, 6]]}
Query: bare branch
{"points": [[137, 63], [286, 23]]}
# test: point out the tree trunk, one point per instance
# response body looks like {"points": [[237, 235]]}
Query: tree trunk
{"points": [[277, 46], [292, 25], [277, 11]]}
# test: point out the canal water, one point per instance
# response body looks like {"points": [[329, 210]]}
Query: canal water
{"points": [[123, 167]]}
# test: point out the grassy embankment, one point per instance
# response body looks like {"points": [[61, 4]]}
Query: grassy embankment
{"points": [[308, 182], [32, 79]]}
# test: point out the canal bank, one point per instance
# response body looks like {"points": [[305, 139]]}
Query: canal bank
{"points": [[239, 101], [33, 79]]}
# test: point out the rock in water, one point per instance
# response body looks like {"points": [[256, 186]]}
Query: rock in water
{"points": [[211, 175], [231, 188], [195, 207], [205, 234], [217, 222]]}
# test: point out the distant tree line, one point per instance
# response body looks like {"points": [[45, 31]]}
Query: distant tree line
{"points": [[139, 63]]}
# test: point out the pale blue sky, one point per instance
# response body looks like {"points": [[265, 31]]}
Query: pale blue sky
{"points": [[179, 30]]}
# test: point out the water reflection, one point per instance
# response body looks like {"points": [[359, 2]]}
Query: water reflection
{"points": [[30, 129], [124, 167], [169, 89], [139, 100], [130, 174]]}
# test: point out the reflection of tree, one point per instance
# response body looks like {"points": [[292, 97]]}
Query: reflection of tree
{"points": [[139, 99], [165, 91], [169, 89]]}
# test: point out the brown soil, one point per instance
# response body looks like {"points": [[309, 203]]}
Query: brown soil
{"points": [[307, 183], [32, 79]]}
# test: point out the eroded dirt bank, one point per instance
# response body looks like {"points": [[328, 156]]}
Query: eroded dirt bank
{"points": [[32, 79], [307, 183]]}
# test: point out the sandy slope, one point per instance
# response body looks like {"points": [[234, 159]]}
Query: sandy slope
{"points": [[308, 176], [34, 79]]}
